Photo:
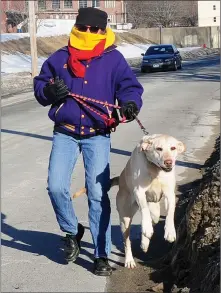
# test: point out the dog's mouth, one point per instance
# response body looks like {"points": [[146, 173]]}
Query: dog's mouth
{"points": [[164, 168], [167, 169]]}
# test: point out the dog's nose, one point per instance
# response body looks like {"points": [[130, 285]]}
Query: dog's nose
{"points": [[168, 163]]}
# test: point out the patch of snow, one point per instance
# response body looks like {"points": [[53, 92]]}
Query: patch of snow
{"points": [[14, 63], [133, 51], [54, 27], [187, 49], [13, 36]]}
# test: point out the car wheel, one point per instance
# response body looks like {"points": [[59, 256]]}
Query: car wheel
{"points": [[175, 66], [181, 66], [143, 70]]}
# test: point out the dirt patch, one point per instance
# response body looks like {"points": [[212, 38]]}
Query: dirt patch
{"points": [[195, 258], [130, 39], [192, 263], [22, 82]]}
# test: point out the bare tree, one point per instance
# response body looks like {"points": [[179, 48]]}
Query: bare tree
{"points": [[137, 13], [189, 13], [16, 14], [162, 13]]}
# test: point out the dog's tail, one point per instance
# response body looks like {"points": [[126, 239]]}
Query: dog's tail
{"points": [[113, 182], [79, 192]]}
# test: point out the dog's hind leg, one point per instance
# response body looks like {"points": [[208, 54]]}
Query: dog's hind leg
{"points": [[126, 212]]}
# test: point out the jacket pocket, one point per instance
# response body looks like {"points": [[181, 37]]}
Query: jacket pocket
{"points": [[54, 111], [58, 109]]}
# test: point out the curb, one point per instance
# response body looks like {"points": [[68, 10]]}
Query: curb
{"points": [[17, 98]]}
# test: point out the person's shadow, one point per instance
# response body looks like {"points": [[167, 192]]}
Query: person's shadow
{"points": [[41, 243]]}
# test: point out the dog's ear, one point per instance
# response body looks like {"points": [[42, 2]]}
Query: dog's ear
{"points": [[146, 145], [180, 147]]}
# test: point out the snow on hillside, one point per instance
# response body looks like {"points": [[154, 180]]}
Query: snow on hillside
{"points": [[53, 27]]}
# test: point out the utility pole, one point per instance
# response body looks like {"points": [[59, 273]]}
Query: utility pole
{"points": [[33, 43], [160, 34], [125, 12]]}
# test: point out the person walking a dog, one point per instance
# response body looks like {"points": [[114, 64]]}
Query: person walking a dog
{"points": [[89, 66]]}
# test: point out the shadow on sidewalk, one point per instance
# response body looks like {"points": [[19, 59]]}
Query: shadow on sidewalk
{"points": [[41, 243], [46, 244], [113, 150]]}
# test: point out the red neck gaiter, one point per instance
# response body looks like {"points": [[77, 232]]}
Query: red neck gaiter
{"points": [[78, 55]]}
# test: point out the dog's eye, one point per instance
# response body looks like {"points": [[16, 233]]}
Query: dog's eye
{"points": [[159, 149], [172, 148]]}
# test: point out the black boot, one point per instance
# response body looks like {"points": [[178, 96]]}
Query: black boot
{"points": [[72, 244], [102, 267], [80, 234]]}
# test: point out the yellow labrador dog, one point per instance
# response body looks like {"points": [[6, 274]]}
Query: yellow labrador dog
{"points": [[148, 178]]}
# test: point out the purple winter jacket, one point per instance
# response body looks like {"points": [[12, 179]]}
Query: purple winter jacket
{"points": [[107, 78]]}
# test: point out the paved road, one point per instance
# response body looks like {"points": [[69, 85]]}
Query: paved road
{"points": [[183, 104]]}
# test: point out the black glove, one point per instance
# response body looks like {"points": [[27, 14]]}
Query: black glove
{"points": [[56, 91], [129, 110], [115, 116]]}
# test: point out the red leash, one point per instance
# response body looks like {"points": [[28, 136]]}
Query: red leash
{"points": [[141, 126], [109, 121]]}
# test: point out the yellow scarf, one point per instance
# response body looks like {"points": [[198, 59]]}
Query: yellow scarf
{"points": [[87, 41]]}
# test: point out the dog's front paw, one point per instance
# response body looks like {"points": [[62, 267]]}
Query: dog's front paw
{"points": [[170, 233], [145, 242], [130, 263], [147, 230]]}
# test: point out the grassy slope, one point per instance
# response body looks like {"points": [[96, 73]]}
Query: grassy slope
{"points": [[47, 45]]}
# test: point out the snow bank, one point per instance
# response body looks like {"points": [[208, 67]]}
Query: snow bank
{"points": [[18, 63], [132, 50], [13, 36]]}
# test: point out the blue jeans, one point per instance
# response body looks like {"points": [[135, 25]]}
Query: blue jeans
{"points": [[96, 156]]}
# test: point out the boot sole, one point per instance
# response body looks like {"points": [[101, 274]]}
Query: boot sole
{"points": [[73, 259], [103, 274]]}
